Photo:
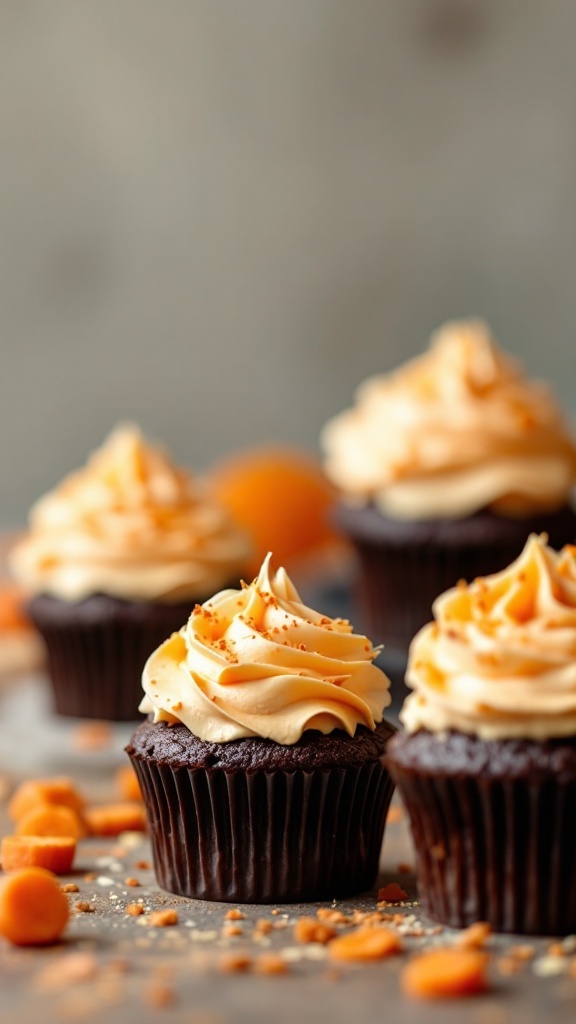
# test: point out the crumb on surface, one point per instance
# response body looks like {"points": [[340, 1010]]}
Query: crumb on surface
{"points": [[163, 918]]}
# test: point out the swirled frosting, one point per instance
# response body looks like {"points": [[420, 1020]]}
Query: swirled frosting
{"points": [[129, 524], [455, 430], [258, 662], [499, 661]]}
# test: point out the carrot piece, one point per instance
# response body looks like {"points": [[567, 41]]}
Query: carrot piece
{"points": [[56, 853], [60, 790], [51, 820], [445, 973], [127, 783], [33, 911], [112, 819], [365, 944]]}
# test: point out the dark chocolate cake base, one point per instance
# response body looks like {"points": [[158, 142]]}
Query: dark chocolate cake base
{"points": [[494, 828], [97, 648], [404, 564], [253, 821]]}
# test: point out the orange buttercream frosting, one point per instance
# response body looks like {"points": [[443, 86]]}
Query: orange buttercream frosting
{"points": [[258, 662], [130, 524], [455, 430], [499, 660]]}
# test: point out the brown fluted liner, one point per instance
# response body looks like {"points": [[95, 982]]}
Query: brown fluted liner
{"points": [[396, 586], [96, 651], [495, 850], [405, 565], [265, 837]]}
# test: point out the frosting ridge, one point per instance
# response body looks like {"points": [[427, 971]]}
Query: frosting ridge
{"points": [[499, 661], [452, 431], [132, 524], [258, 662]]}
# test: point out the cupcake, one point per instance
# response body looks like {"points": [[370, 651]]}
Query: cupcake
{"points": [[262, 766], [113, 559], [487, 762], [444, 468]]}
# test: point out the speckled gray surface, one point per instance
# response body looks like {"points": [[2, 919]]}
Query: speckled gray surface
{"points": [[131, 966]]}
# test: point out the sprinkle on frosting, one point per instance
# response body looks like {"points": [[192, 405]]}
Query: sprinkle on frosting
{"points": [[258, 662], [499, 661], [458, 429], [130, 524]]}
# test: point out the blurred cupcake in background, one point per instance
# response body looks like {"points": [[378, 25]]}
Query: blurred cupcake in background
{"points": [[113, 560], [444, 467]]}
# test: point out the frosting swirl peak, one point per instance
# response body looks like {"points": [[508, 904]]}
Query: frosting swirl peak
{"points": [[130, 524], [458, 429], [258, 662], [500, 659]]}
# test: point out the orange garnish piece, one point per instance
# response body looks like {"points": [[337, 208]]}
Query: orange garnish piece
{"points": [[30, 794], [365, 944], [33, 910], [112, 819], [55, 853], [445, 974], [281, 498]]}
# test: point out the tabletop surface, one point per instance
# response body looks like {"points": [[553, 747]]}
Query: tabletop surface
{"points": [[116, 967]]}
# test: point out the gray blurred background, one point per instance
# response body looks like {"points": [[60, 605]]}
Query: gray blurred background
{"points": [[218, 216]]}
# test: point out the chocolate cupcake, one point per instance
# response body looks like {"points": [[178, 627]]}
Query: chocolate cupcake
{"points": [[444, 468], [262, 771], [112, 561], [487, 764]]}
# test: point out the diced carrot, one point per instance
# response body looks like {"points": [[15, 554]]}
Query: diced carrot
{"points": [[365, 944], [33, 911], [56, 853], [112, 819], [445, 974], [29, 794], [127, 783], [51, 820]]}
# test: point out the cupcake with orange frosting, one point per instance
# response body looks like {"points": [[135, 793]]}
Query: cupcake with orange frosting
{"points": [[113, 558], [444, 468], [486, 763], [262, 763]]}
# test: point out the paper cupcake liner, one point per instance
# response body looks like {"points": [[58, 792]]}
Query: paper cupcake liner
{"points": [[265, 837], [496, 850], [95, 655], [396, 586], [405, 565]]}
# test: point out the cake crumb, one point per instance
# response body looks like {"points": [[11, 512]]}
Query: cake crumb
{"points": [[84, 907], [162, 918], [68, 970], [92, 736], [69, 887], [235, 915], [234, 963], [270, 963], [159, 996], [308, 929], [392, 893], [135, 909], [395, 814], [475, 936], [132, 883]]}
